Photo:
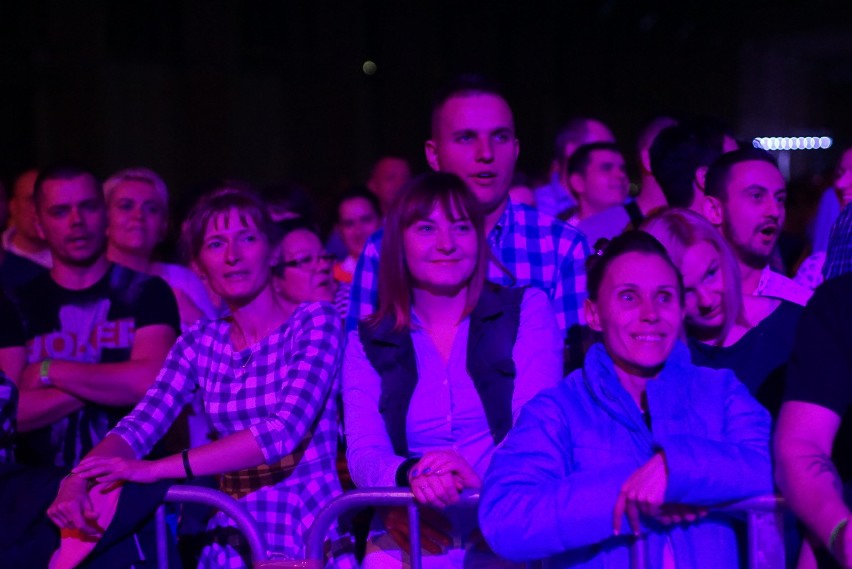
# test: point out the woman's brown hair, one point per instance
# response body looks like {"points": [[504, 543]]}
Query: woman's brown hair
{"points": [[416, 202]]}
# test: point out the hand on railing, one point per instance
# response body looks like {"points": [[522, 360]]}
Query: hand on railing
{"points": [[642, 493], [679, 513], [440, 476]]}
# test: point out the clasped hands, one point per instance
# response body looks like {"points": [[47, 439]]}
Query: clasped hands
{"points": [[644, 493], [439, 477], [72, 507], [436, 480]]}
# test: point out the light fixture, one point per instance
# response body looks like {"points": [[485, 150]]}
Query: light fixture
{"points": [[792, 142]]}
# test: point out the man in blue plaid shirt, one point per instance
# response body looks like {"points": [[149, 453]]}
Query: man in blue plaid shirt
{"points": [[473, 136]]}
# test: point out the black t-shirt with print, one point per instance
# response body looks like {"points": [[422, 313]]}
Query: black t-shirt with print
{"points": [[91, 325]]}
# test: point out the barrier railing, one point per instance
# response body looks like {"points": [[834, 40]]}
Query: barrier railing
{"points": [[358, 499], [764, 517], [221, 501]]}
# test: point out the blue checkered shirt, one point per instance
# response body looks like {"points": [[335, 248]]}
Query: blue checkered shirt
{"points": [[838, 257], [284, 390], [534, 249]]}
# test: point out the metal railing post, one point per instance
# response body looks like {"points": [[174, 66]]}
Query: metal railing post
{"points": [[414, 537], [638, 552], [162, 538], [230, 507]]}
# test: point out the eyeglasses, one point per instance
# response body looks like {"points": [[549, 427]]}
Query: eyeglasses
{"points": [[309, 261]]}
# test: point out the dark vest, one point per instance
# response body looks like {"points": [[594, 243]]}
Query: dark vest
{"points": [[491, 338]]}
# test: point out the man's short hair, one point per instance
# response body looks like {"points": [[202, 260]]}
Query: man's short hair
{"points": [[581, 158], [716, 181], [357, 192], [466, 85], [680, 150], [575, 131], [651, 130], [63, 171]]}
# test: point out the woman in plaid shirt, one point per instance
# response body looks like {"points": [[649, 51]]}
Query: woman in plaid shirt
{"points": [[268, 377]]}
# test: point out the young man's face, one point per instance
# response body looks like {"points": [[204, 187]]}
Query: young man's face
{"points": [[604, 182], [474, 138], [72, 217], [753, 210]]}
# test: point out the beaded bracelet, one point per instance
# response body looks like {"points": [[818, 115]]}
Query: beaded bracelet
{"points": [[835, 533]]}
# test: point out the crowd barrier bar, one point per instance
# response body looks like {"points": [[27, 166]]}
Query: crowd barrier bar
{"points": [[222, 502], [764, 516], [765, 520]]}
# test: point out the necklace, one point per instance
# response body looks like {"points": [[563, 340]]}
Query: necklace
{"points": [[251, 346]]}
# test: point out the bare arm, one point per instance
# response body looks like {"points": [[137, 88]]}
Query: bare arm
{"points": [[233, 452], [115, 384], [12, 361], [38, 408], [803, 467]]}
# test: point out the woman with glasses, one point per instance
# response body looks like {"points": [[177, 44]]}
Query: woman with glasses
{"points": [[267, 375], [305, 271], [434, 380]]}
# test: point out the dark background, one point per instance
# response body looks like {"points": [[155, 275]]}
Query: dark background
{"points": [[275, 90]]}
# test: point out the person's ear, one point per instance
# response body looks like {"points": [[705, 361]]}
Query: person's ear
{"points": [[645, 160], [576, 183], [700, 177], [713, 211], [590, 309], [431, 149]]}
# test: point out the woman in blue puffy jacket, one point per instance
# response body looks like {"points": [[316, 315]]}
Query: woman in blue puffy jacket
{"points": [[638, 441]]}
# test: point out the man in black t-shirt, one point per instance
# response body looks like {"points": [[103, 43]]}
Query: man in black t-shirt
{"points": [[813, 438], [96, 333]]}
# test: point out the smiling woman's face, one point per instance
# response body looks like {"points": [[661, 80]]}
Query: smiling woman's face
{"points": [[704, 283], [440, 251], [638, 312]]}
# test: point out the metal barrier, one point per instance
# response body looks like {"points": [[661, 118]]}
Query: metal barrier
{"points": [[357, 499], [764, 516], [221, 501]]}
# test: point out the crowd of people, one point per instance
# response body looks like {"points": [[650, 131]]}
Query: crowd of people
{"points": [[598, 363]]}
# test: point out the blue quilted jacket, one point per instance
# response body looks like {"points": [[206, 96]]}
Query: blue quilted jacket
{"points": [[551, 488]]}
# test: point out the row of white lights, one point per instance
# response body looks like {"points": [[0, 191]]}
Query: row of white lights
{"points": [[792, 142]]}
